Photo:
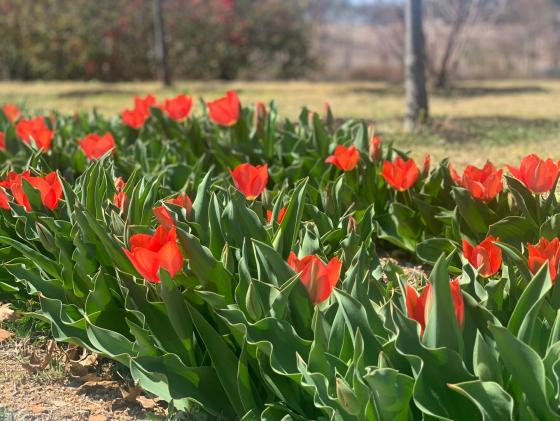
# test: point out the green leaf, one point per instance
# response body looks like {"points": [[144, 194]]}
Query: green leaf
{"points": [[493, 402], [391, 392], [286, 235]]}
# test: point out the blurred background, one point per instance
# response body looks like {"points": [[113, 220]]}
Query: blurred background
{"points": [[490, 66]]}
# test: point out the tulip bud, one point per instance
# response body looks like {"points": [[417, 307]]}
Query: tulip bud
{"points": [[46, 238], [259, 117], [375, 148], [328, 115], [253, 303], [352, 225], [426, 168]]}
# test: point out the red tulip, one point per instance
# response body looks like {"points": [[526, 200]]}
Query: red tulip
{"points": [[426, 168], [400, 174], [4, 199], [178, 108], [375, 147], [164, 217], [11, 111], [250, 180], [224, 111], [150, 253], [134, 118], [318, 278], [49, 187], [2, 141], [544, 251], [144, 104], [37, 130], [280, 215], [120, 199], [95, 146], [486, 256], [418, 305], [536, 174], [344, 158], [483, 183]]}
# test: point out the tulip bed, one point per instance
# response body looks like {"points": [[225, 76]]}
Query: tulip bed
{"points": [[229, 258]]}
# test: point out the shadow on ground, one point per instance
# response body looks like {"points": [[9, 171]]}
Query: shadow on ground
{"points": [[472, 91]]}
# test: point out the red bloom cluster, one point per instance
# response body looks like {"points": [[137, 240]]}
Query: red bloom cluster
{"points": [[37, 130], [164, 217], [317, 277], [483, 183], [11, 111], [344, 158], [418, 305], [137, 116], [400, 174], [95, 146], [545, 251], [486, 256], [224, 111], [150, 253], [49, 187], [250, 180], [536, 174]]}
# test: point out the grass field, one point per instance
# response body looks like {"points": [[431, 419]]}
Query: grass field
{"points": [[473, 122]]}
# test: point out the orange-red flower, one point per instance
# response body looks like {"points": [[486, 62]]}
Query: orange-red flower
{"points": [[537, 174], [400, 174], [426, 168], [2, 141], [37, 130], [95, 146], [541, 253], [280, 218], [178, 108], [11, 111], [4, 199], [483, 183], [164, 217], [375, 147], [120, 199], [137, 116], [49, 187], [418, 305], [317, 277], [486, 256], [150, 253], [250, 180], [224, 111], [144, 104], [344, 158]]}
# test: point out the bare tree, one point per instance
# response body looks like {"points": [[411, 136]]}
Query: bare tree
{"points": [[415, 78], [160, 44]]}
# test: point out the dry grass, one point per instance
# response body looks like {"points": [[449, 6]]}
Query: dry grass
{"points": [[476, 121]]}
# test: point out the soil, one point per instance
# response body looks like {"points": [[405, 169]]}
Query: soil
{"points": [[49, 381]]}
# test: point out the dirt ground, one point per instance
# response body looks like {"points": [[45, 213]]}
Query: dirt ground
{"points": [[58, 382]]}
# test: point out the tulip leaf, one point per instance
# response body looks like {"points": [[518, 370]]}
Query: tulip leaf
{"points": [[493, 402], [526, 369], [392, 392]]}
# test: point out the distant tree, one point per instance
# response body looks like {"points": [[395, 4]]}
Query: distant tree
{"points": [[415, 78], [161, 44]]}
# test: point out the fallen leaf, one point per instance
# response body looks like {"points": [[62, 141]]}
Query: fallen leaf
{"points": [[97, 418], [131, 394], [97, 384], [6, 313], [4, 334], [146, 403]]}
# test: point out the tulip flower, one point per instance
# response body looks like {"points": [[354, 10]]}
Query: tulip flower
{"points": [[4, 199], [224, 111], [137, 116], [11, 111], [164, 217], [150, 253], [483, 183], [2, 141], [120, 199], [250, 180], [317, 277], [375, 148], [418, 305], [280, 215], [542, 252], [95, 146], [144, 104], [37, 130], [49, 187], [344, 158], [486, 256], [535, 173], [178, 108], [400, 174]]}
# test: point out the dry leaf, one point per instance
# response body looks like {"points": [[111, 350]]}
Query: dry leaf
{"points": [[131, 394], [146, 403], [6, 313], [97, 384], [4, 334], [97, 418]]}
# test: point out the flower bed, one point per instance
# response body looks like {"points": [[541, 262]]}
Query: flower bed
{"points": [[228, 258]]}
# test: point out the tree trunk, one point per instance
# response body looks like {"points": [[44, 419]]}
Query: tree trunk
{"points": [[415, 78], [160, 45]]}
